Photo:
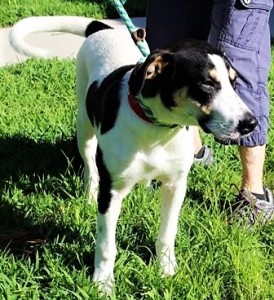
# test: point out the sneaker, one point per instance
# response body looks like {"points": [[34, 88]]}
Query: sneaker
{"points": [[249, 207], [204, 156]]}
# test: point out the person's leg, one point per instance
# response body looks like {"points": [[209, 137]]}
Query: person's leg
{"points": [[243, 34], [197, 140], [168, 23], [252, 159], [172, 21]]}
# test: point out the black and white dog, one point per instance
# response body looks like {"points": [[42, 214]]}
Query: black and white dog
{"points": [[134, 121]]}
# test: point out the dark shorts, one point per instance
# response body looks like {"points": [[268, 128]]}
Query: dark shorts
{"points": [[241, 31]]}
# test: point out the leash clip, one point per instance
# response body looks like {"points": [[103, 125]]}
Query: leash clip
{"points": [[138, 35]]}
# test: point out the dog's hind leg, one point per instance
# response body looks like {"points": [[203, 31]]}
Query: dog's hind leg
{"points": [[172, 197], [87, 145], [87, 142]]}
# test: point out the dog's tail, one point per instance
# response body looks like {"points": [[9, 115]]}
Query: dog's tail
{"points": [[69, 24]]}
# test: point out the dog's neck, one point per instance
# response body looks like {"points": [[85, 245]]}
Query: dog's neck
{"points": [[144, 112]]}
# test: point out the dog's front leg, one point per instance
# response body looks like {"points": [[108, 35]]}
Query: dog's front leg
{"points": [[105, 251], [172, 197]]}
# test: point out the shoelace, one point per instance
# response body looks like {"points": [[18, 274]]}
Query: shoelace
{"points": [[250, 206]]}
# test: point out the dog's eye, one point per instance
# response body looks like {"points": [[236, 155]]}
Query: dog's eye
{"points": [[208, 85]]}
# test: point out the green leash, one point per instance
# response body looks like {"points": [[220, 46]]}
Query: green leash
{"points": [[138, 34]]}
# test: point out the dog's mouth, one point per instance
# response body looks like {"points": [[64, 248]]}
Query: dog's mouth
{"points": [[202, 124], [229, 129], [224, 133]]}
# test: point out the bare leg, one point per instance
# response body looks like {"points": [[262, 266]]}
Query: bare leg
{"points": [[252, 159], [197, 140]]}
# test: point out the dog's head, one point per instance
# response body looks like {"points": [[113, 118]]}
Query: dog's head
{"points": [[193, 84]]}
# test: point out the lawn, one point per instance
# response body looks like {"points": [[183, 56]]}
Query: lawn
{"points": [[13, 10], [47, 231]]}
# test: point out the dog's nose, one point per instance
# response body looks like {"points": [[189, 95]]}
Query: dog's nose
{"points": [[247, 124]]}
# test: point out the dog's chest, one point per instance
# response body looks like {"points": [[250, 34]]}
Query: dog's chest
{"points": [[157, 162], [138, 162]]}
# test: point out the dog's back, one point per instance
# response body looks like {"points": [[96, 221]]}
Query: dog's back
{"points": [[103, 52]]}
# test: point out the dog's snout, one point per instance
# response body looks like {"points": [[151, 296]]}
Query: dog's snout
{"points": [[247, 124]]}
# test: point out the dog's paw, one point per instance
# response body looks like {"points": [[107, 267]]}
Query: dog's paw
{"points": [[105, 283], [166, 258], [168, 267]]}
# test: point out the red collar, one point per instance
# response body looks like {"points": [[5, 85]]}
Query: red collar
{"points": [[137, 108]]}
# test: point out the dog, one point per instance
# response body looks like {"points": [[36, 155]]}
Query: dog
{"points": [[134, 121]]}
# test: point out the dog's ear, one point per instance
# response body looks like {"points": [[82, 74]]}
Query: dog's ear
{"points": [[158, 64]]}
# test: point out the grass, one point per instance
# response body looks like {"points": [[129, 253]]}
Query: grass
{"points": [[47, 232], [14, 10]]}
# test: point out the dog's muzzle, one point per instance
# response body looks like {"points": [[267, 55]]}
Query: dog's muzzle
{"points": [[202, 123], [244, 127]]}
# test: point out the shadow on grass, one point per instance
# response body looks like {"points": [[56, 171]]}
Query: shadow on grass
{"points": [[25, 239], [22, 236], [223, 204], [24, 156]]}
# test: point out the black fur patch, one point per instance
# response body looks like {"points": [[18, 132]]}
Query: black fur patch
{"points": [[104, 193], [187, 65], [192, 69], [102, 102], [96, 26]]}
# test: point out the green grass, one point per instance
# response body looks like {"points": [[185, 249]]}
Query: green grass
{"points": [[14, 10], [47, 232]]}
